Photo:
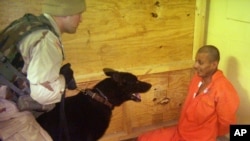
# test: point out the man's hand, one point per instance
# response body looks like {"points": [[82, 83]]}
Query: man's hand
{"points": [[67, 72]]}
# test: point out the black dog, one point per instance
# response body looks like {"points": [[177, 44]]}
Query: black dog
{"points": [[88, 113]]}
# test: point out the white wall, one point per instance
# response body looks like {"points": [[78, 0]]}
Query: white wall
{"points": [[229, 30]]}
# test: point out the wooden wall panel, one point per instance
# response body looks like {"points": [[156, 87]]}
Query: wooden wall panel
{"points": [[13, 9], [137, 35], [141, 36]]}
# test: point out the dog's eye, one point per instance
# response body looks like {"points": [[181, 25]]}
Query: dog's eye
{"points": [[130, 82], [125, 82]]}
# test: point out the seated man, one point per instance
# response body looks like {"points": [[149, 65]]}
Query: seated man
{"points": [[210, 106]]}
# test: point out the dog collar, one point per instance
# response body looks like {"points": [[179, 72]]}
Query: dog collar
{"points": [[100, 97]]}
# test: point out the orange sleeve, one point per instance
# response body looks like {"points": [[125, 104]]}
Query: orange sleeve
{"points": [[227, 105]]}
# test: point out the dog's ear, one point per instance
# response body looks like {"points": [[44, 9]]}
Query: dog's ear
{"points": [[109, 71], [112, 73]]}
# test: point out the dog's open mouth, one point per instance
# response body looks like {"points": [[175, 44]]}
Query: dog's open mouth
{"points": [[136, 97]]}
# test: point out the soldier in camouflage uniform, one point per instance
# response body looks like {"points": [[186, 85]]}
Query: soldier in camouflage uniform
{"points": [[42, 54]]}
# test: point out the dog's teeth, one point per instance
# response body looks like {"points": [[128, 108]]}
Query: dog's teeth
{"points": [[137, 95]]}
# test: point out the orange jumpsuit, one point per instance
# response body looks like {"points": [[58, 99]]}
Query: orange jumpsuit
{"points": [[203, 117]]}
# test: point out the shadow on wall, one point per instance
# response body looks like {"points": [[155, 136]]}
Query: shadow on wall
{"points": [[232, 74]]}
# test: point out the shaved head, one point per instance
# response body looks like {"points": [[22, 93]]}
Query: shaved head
{"points": [[213, 52]]}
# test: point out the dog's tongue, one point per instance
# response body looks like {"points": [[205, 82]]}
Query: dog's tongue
{"points": [[137, 97]]}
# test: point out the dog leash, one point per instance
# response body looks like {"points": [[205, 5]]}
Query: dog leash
{"points": [[63, 120]]}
